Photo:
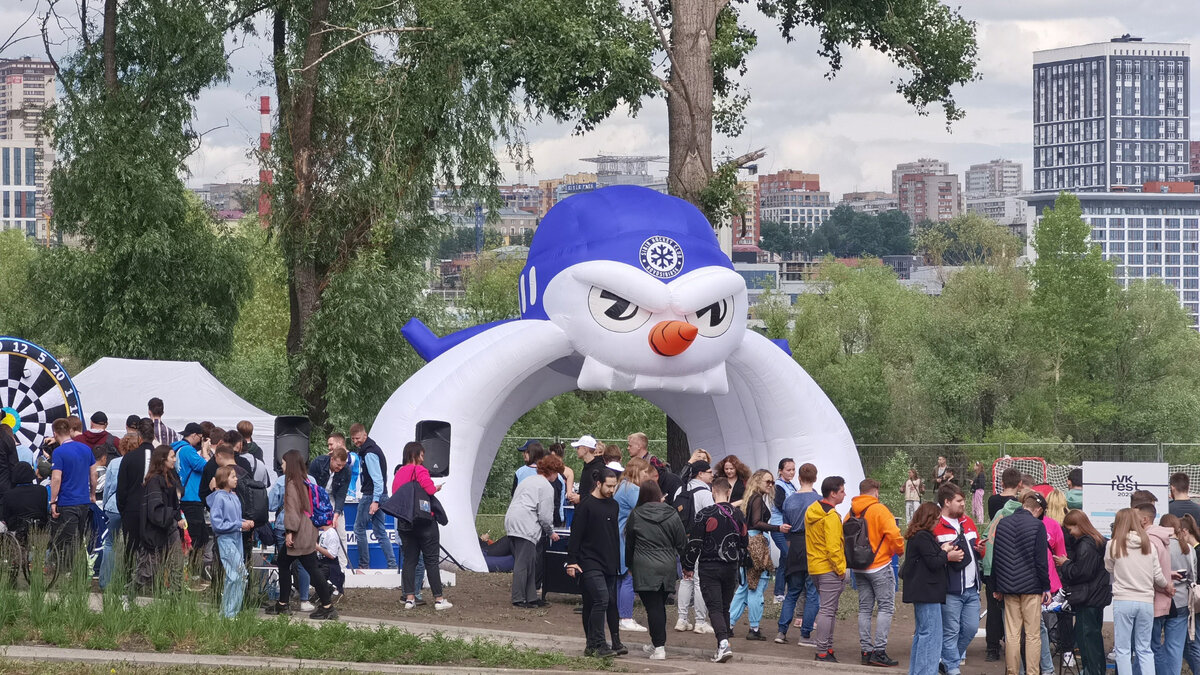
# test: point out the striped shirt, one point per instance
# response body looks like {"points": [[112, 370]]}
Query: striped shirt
{"points": [[163, 434]]}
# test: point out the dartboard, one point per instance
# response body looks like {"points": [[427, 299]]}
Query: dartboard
{"points": [[35, 390]]}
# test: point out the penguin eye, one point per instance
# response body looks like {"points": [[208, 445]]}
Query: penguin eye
{"points": [[614, 312], [713, 320]]}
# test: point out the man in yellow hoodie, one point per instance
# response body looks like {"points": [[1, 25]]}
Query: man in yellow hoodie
{"points": [[876, 582], [826, 560]]}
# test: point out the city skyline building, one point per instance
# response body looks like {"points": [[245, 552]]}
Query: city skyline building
{"points": [[793, 198], [27, 88], [1110, 116], [932, 197], [997, 178], [923, 166]]}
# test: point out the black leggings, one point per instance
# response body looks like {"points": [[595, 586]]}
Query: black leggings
{"points": [[421, 540], [316, 575], [655, 603]]}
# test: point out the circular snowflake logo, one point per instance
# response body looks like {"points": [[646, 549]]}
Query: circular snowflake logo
{"points": [[661, 257]]}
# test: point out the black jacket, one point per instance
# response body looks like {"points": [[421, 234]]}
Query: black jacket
{"points": [[585, 477], [8, 461], [718, 535], [27, 503], [758, 516], [924, 569], [1083, 575], [1019, 563], [595, 543], [210, 472], [129, 483], [319, 470], [669, 483], [159, 513]]}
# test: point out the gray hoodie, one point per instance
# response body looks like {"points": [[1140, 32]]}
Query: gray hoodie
{"points": [[530, 515]]}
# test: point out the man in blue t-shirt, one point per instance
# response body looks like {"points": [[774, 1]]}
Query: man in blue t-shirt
{"points": [[72, 487], [798, 581]]}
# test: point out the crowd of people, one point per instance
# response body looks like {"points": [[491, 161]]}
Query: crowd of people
{"points": [[180, 506], [703, 536]]}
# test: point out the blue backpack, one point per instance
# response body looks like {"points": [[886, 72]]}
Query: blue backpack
{"points": [[322, 507]]}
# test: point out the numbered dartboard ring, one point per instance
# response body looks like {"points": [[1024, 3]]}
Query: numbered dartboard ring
{"points": [[35, 390]]}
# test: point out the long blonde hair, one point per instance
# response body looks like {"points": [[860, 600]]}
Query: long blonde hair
{"points": [[754, 489], [1056, 505], [635, 471], [1127, 521]]}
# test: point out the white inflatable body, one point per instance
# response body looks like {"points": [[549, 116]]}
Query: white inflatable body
{"points": [[625, 289]]}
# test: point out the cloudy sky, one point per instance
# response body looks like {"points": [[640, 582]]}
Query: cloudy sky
{"points": [[852, 130]]}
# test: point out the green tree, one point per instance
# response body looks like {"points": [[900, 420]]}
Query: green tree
{"points": [[778, 238], [1074, 310], [847, 233], [18, 312], [155, 277], [968, 239], [378, 104], [489, 289]]}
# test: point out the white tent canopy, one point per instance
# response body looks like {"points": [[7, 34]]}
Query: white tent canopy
{"points": [[122, 387]]}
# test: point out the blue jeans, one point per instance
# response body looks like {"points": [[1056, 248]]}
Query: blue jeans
{"points": [[1191, 653], [781, 543], [379, 527], [927, 640], [229, 546], [1132, 624], [960, 622], [1166, 641], [625, 595], [107, 559], [744, 597]]}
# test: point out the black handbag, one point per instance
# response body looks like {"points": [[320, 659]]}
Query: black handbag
{"points": [[410, 505]]}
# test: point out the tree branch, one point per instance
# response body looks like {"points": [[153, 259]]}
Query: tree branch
{"points": [[233, 23], [12, 38], [360, 36], [752, 156]]}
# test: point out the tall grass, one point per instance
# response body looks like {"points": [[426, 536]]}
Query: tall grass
{"points": [[177, 619]]}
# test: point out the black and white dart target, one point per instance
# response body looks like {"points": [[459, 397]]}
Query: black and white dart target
{"points": [[35, 390]]}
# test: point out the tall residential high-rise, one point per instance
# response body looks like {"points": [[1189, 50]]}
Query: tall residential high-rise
{"points": [[26, 152], [1194, 157], [932, 197], [1110, 116], [921, 167], [997, 178]]}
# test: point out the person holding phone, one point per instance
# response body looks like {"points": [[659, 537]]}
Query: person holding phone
{"points": [[1169, 633]]}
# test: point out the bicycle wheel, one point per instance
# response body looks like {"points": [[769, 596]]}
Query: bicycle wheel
{"points": [[50, 564], [12, 557]]}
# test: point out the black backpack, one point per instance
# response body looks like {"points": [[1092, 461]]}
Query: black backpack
{"points": [[859, 554], [253, 496], [685, 504]]}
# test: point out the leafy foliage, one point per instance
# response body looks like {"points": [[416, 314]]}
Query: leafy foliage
{"points": [[968, 239], [849, 234], [18, 313]]}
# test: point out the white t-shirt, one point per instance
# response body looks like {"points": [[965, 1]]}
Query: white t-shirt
{"points": [[332, 542]]}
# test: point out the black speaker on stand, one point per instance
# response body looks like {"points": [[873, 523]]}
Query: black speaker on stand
{"points": [[434, 436], [291, 433]]}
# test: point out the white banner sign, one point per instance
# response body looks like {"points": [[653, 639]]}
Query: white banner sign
{"points": [[1107, 487]]}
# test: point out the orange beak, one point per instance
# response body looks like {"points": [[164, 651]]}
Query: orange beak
{"points": [[671, 338]]}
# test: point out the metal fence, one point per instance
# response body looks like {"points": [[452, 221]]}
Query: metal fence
{"points": [[889, 462]]}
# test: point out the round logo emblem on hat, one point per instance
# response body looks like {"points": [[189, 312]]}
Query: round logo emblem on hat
{"points": [[661, 257]]}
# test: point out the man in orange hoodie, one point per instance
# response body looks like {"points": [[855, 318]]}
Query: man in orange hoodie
{"points": [[876, 581]]}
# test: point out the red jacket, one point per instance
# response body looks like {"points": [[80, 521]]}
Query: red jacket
{"points": [[968, 541]]}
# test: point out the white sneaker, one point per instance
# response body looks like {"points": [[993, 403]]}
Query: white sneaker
{"points": [[659, 654], [307, 607], [1068, 659], [442, 604], [703, 628], [633, 625], [683, 626], [779, 599], [724, 653], [647, 649], [409, 604]]}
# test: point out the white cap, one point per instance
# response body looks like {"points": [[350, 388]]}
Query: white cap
{"points": [[615, 466], [585, 441]]}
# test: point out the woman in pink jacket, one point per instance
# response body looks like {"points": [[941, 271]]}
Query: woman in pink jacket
{"points": [[422, 539]]}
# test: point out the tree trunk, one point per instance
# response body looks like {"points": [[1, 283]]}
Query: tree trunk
{"points": [[110, 45], [305, 280], [690, 97]]}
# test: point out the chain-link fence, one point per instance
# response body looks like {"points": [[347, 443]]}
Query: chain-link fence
{"points": [[889, 463]]}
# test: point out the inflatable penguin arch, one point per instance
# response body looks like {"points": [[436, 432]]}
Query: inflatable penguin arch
{"points": [[625, 289]]}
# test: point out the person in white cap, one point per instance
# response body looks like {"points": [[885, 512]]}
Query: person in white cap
{"points": [[593, 460]]}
